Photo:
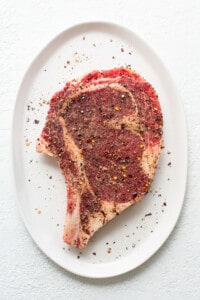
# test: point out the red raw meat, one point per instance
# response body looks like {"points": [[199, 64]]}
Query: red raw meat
{"points": [[105, 130]]}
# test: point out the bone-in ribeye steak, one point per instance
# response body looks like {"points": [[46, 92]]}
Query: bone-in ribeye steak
{"points": [[105, 130]]}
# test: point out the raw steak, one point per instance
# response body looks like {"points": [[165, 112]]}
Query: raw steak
{"points": [[105, 130]]}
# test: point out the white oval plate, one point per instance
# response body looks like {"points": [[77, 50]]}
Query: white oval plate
{"points": [[131, 238]]}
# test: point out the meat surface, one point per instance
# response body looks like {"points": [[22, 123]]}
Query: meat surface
{"points": [[105, 130]]}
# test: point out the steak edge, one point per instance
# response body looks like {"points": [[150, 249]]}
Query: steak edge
{"points": [[105, 130]]}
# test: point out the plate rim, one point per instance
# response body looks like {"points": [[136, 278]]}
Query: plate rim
{"points": [[184, 140]]}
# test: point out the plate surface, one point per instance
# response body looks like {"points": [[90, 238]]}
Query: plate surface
{"points": [[135, 235]]}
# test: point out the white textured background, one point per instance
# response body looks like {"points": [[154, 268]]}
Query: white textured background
{"points": [[172, 28]]}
